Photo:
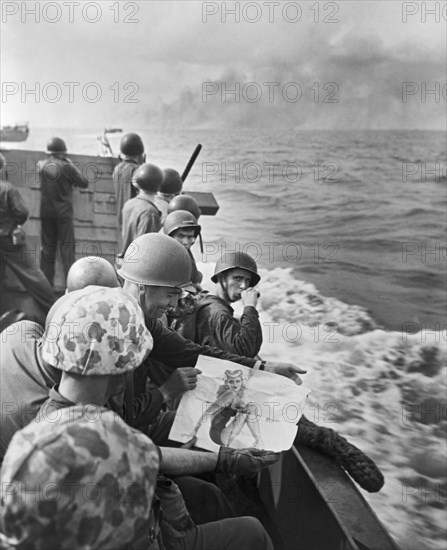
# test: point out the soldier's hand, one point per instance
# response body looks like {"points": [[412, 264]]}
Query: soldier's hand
{"points": [[288, 370], [247, 462], [250, 297], [181, 380]]}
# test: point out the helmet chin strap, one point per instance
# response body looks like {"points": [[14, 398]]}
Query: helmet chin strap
{"points": [[224, 287], [141, 296]]}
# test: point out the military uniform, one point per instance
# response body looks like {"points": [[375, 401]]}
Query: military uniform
{"points": [[13, 212], [57, 177], [162, 204], [124, 191], [25, 378], [139, 216], [216, 326]]}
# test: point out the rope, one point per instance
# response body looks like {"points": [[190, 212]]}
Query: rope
{"points": [[327, 441]]}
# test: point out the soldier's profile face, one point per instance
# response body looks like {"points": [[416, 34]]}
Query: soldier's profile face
{"points": [[158, 299]]}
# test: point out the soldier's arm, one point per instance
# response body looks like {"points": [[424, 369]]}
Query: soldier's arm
{"points": [[229, 461], [147, 406], [74, 175], [185, 462], [17, 206], [175, 351]]}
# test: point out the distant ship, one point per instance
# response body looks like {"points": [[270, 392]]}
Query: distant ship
{"points": [[112, 130], [14, 133]]}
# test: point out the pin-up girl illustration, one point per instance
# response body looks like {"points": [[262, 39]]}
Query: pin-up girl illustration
{"points": [[229, 414]]}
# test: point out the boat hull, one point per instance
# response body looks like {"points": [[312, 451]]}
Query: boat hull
{"points": [[315, 505]]}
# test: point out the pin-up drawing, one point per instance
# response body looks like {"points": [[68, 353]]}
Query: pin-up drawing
{"points": [[229, 413]]}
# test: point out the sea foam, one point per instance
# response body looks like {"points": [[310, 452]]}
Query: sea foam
{"points": [[385, 391]]}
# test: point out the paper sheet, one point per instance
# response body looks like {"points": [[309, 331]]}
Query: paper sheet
{"points": [[239, 407]]}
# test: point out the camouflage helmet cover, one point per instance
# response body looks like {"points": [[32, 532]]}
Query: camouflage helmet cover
{"points": [[96, 331], [85, 481]]}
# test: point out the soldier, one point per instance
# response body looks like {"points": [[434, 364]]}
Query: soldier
{"points": [[132, 156], [14, 213], [182, 226], [92, 480], [140, 215], [98, 333], [26, 376], [235, 277], [170, 187], [57, 176]]}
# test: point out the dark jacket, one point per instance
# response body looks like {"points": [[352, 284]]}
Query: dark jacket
{"points": [[13, 210], [139, 216], [175, 351], [25, 379], [57, 177], [216, 326], [124, 190], [196, 275]]}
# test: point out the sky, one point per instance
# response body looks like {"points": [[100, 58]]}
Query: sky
{"points": [[312, 65]]}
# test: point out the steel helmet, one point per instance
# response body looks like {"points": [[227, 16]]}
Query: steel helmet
{"points": [[185, 202], [154, 259], [132, 145], [241, 260], [172, 182], [56, 145], [96, 331], [111, 468], [91, 270], [180, 219], [148, 177]]}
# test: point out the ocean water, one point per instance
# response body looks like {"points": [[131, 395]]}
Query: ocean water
{"points": [[349, 231]]}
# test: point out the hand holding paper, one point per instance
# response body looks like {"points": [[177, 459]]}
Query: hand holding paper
{"points": [[246, 462]]}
